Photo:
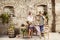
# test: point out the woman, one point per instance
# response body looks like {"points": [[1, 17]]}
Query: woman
{"points": [[30, 20]]}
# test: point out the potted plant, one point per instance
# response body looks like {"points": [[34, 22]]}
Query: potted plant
{"points": [[11, 31]]}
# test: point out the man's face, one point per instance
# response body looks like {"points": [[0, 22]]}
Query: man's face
{"points": [[40, 13]]}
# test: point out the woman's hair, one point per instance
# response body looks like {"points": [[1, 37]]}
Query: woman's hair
{"points": [[22, 25]]}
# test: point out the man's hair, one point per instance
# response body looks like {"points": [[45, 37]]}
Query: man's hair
{"points": [[40, 12]]}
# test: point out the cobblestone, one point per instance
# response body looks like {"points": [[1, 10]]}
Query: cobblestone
{"points": [[52, 36]]}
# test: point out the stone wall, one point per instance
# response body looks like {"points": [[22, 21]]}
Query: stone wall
{"points": [[22, 7], [57, 11]]}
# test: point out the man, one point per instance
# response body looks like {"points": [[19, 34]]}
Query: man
{"points": [[42, 23]]}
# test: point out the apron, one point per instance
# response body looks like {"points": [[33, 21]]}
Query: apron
{"points": [[38, 30]]}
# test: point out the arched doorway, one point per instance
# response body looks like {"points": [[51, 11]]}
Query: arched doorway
{"points": [[43, 9], [9, 10]]}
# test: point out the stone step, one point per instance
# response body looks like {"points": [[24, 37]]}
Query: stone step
{"points": [[57, 28]]}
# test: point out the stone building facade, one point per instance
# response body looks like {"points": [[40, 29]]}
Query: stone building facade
{"points": [[22, 7]]}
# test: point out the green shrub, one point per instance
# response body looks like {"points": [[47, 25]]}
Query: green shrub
{"points": [[5, 17]]}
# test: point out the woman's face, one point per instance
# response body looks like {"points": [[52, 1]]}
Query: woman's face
{"points": [[29, 13]]}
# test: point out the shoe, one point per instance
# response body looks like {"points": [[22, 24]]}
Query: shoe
{"points": [[42, 34]]}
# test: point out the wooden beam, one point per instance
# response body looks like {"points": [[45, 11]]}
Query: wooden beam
{"points": [[54, 15]]}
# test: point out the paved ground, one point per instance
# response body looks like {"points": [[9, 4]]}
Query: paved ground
{"points": [[52, 36]]}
